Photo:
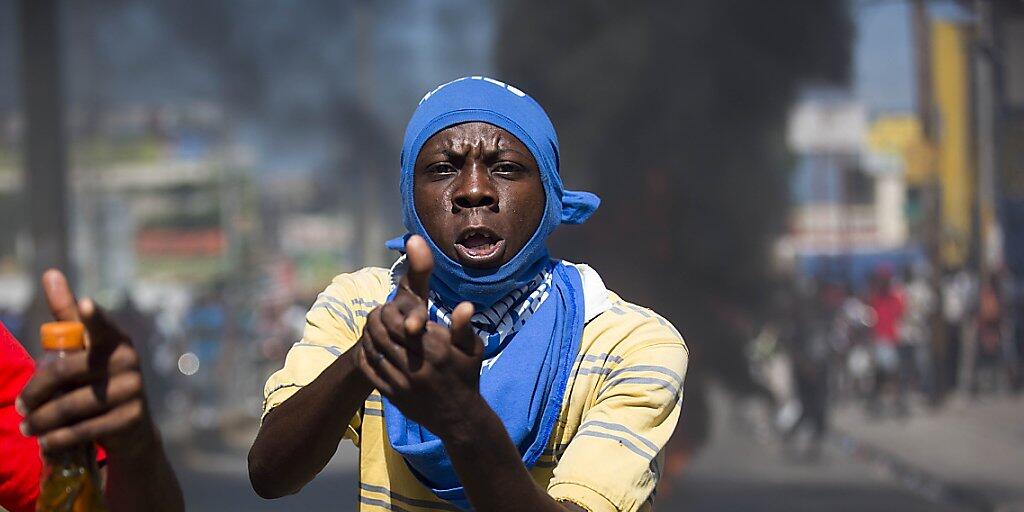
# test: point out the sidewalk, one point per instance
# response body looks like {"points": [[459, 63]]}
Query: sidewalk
{"points": [[972, 452]]}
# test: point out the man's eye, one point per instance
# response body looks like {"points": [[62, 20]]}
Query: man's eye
{"points": [[441, 169], [506, 169]]}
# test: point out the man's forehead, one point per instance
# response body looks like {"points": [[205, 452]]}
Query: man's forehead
{"points": [[469, 135]]}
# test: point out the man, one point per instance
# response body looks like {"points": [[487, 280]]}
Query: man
{"points": [[916, 333], [93, 396], [478, 373], [888, 304]]}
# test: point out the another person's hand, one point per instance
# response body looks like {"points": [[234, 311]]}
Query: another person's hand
{"points": [[430, 372], [92, 395]]}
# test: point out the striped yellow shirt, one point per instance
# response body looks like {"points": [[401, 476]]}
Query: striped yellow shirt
{"points": [[622, 403]]}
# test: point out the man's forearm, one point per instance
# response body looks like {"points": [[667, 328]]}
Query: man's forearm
{"points": [[298, 438], [144, 481], [490, 467]]}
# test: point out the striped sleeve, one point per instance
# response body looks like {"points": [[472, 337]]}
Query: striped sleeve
{"points": [[612, 464], [333, 325]]}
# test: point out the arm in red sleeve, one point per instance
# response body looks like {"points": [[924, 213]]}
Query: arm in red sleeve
{"points": [[21, 465]]}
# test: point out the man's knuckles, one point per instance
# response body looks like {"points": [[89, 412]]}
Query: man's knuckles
{"points": [[135, 411], [84, 402], [125, 358], [99, 428]]}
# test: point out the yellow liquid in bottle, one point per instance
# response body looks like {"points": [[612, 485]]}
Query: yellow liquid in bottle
{"points": [[71, 483], [71, 479]]}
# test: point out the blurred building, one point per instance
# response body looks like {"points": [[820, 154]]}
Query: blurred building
{"points": [[865, 174], [848, 187]]}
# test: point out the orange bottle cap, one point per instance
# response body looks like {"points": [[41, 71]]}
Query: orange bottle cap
{"points": [[63, 335]]}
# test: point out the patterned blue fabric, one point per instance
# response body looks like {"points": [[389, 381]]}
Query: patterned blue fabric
{"points": [[498, 323], [487, 100], [524, 385]]}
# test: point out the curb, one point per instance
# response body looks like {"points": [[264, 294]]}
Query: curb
{"points": [[912, 478]]}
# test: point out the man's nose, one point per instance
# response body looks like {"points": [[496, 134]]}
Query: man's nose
{"points": [[474, 188]]}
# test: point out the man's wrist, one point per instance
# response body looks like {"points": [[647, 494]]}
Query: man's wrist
{"points": [[136, 449], [345, 373], [476, 422]]}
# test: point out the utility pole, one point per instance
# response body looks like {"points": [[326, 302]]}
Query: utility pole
{"points": [[371, 226], [985, 109], [921, 30], [45, 150]]}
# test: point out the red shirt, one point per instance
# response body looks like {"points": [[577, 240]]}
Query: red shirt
{"points": [[888, 312], [20, 465]]}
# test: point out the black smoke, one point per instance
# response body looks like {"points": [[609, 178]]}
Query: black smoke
{"points": [[675, 113]]}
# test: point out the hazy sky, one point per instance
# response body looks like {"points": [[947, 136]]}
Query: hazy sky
{"points": [[883, 66]]}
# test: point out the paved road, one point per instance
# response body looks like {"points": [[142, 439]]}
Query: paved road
{"points": [[219, 481], [734, 473], [973, 446]]}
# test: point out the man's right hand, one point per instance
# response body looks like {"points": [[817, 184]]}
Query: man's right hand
{"points": [[94, 395], [430, 371], [97, 395]]}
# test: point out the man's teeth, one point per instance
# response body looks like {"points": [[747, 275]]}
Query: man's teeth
{"points": [[476, 236]]}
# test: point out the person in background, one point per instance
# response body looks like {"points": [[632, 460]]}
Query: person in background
{"points": [[990, 335], [59, 406], [915, 332], [811, 353], [887, 301], [854, 325], [958, 292]]}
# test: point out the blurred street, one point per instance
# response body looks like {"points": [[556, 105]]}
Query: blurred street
{"points": [[825, 199], [217, 480], [740, 471], [968, 446]]}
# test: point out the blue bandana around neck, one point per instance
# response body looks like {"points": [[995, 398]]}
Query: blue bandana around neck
{"points": [[524, 383], [481, 99], [524, 380]]}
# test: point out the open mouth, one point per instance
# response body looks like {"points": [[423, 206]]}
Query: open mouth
{"points": [[478, 245]]}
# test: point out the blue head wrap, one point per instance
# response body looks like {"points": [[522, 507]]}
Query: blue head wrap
{"points": [[526, 385], [487, 100]]}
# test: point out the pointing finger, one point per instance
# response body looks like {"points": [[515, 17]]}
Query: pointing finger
{"points": [[421, 264]]}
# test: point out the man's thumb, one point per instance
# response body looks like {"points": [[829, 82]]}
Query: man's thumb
{"points": [[462, 328], [421, 264]]}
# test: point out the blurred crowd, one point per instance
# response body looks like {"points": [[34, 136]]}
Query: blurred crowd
{"points": [[895, 344]]}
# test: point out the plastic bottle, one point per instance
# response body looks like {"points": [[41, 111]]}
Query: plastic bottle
{"points": [[71, 478]]}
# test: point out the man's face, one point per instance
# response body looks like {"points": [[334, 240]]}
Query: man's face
{"points": [[478, 193]]}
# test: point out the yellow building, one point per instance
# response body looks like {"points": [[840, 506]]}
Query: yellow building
{"points": [[953, 159]]}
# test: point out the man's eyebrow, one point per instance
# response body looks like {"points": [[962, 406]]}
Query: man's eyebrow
{"points": [[448, 153], [501, 151]]}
